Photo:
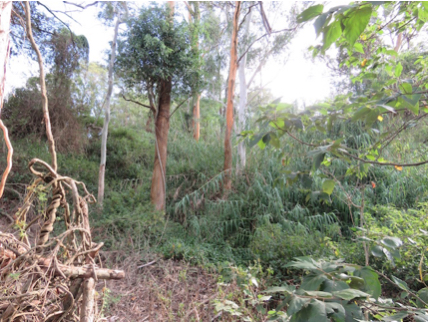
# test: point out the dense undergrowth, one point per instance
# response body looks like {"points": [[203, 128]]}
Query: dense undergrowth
{"points": [[268, 218]]}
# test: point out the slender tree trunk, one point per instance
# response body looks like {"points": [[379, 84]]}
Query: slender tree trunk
{"points": [[107, 116], [47, 120], [5, 11], [158, 189], [229, 107], [243, 100], [196, 95], [196, 118]]}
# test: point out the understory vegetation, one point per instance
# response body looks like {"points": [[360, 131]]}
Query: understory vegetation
{"points": [[314, 213]]}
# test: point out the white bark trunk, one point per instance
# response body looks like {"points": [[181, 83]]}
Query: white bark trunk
{"points": [[242, 108], [5, 11], [107, 115]]}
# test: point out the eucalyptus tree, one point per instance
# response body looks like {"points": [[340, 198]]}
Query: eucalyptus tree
{"points": [[5, 12], [260, 42], [155, 59], [227, 184]]}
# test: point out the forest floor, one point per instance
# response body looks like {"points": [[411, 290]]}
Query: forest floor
{"points": [[160, 290], [157, 290]]}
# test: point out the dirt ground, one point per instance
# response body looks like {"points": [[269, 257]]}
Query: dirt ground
{"points": [[163, 290], [154, 289]]}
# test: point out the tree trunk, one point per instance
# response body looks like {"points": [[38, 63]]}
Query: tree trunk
{"points": [[107, 116], [242, 109], [229, 107], [5, 11], [158, 189], [196, 116], [195, 47]]}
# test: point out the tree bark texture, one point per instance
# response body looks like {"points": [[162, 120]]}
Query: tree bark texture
{"points": [[47, 120], [158, 193], [227, 184], [107, 116], [158, 189], [5, 11], [195, 47], [196, 118]]}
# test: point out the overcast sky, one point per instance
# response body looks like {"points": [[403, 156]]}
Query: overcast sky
{"points": [[299, 79]]}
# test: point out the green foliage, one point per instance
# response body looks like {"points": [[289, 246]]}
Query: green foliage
{"points": [[409, 226], [154, 49]]}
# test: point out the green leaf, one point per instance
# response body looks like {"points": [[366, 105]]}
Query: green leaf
{"points": [[274, 141], [350, 293], [310, 13], [353, 313], [400, 283], [423, 295], [302, 263], [334, 285], [328, 186], [359, 48], [318, 159], [356, 282], [371, 279], [406, 88], [377, 251], [319, 294], [423, 14], [396, 317], [398, 70], [387, 107], [319, 23], [280, 289], [312, 282], [419, 317], [392, 242], [356, 22], [360, 113], [331, 33], [296, 304], [314, 312], [335, 311]]}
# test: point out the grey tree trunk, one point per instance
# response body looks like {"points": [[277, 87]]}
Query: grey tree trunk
{"points": [[242, 108], [107, 115]]}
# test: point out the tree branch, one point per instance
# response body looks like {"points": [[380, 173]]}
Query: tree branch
{"points": [[80, 6], [273, 32], [139, 103], [53, 14], [178, 107]]}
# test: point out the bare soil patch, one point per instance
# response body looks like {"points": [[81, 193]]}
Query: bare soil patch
{"points": [[166, 290]]}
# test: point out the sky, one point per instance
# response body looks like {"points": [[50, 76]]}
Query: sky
{"points": [[298, 80]]}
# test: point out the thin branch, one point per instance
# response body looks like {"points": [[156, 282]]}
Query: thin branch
{"points": [[244, 18], [383, 164], [148, 264], [53, 14], [139, 103], [80, 6], [361, 159], [178, 107], [273, 32], [264, 19]]}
